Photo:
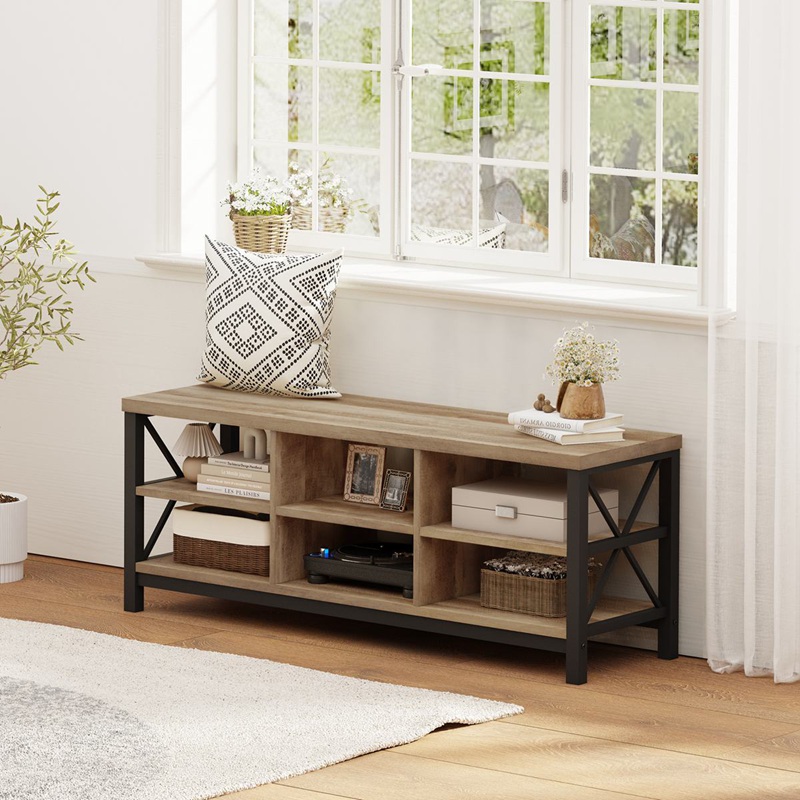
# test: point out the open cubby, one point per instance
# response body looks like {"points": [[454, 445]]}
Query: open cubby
{"points": [[443, 447]]}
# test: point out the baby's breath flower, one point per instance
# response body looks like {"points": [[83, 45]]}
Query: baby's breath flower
{"points": [[579, 358]]}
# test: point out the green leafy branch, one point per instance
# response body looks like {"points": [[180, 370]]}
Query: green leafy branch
{"points": [[34, 308]]}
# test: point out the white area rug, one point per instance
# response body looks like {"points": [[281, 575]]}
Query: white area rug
{"points": [[85, 716]]}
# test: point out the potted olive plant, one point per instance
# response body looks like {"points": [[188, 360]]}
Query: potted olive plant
{"points": [[36, 273]]}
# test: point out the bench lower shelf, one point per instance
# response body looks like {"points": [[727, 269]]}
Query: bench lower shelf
{"points": [[466, 610]]}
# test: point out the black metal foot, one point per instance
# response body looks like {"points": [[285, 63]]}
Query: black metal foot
{"points": [[408, 593], [315, 578]]}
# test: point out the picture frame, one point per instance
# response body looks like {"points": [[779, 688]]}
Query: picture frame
{"points": [[396, 484], [364, 474]]}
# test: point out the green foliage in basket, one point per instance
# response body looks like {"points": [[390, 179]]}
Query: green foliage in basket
{"points": [[34, 284]]}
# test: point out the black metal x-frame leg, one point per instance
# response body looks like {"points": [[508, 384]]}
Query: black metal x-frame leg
{"points": [[135, 547], [580, 607]]}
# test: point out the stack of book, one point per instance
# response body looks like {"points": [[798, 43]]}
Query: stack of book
{"points": [[554, 428], [232, 473]]}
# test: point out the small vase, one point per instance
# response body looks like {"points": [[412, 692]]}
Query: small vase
{"points": [[581, 402]]}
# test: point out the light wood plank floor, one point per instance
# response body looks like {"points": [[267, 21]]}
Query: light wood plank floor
{"points": [[641, 728]]}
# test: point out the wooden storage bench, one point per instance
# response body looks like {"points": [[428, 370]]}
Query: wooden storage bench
{"points": [[451, 446]]}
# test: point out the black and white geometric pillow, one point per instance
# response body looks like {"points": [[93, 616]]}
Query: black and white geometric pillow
{"points": [[267, 321], [493, 237]]}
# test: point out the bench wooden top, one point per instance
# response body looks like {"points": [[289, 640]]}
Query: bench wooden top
{"points": [[373, 420]]}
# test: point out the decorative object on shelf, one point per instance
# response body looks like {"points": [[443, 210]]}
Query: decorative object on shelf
{"points": [[581, 366], [33, 285], [221, 538], [253, 343], [529, 583], [525, 508], [381, 563], [337, 203], [362, 482], [260, 210], [543, 404], [395, 490], [197, 443], [254, 444], [13, 536]]}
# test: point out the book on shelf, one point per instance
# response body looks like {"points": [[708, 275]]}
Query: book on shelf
{"points": [[237, 473], [554, 421], [238, 461], [252, 494], [235, 483], [573, 437]]}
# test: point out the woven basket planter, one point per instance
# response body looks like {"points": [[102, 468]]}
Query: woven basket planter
{"points": [[261, 233], [251, 559], [331, 220], [542, 597]]}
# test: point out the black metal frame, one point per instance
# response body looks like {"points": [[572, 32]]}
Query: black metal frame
{"points": [[663, 614]]}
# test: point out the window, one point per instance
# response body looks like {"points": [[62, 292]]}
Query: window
{"points": [[502, 133]]}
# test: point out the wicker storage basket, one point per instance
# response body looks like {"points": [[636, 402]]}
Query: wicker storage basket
{"points": [[260, 233], [252, 559], [542, 597], [332, 220]]}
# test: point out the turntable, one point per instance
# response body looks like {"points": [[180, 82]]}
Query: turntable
{"points": [[381, 563]]}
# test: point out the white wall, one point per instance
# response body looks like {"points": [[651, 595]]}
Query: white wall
{"points": [[95, 138]]}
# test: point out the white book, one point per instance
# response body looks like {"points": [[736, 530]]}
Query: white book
{"points": [[240, 462], [573, 437], [235, 483], [541, 419], [233, 472], [253, 495]]}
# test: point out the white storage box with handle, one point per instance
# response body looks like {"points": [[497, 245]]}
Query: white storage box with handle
{"points": [[525, 508]]}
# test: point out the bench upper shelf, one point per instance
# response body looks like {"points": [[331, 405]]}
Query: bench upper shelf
{"points": [[372, 420]]}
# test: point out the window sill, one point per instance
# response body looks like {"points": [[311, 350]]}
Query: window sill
{"points": [[490, 292]]}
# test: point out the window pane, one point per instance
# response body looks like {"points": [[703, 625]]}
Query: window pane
{"points": [[442, 32], [518, 34], [282, 103], [623, 43], [350, 31], [681, 122], [679, 233], [441, 115], [519, 200], [283, 29], [349, 194], [682, 47], [622, 218], [515, 119], [441, 202], [349, 107], [623, 128]]}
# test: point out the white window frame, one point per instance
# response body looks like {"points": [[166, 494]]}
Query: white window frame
{"points": [[565, 249]]}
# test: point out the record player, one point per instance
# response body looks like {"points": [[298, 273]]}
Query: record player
{"points": [[380, 563]]}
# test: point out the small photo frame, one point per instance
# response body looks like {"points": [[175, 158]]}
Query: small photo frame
{"points": [[362, 483], [395, 490]]}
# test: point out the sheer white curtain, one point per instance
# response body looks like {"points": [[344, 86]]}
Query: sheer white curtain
{"points": [[754, 371]]}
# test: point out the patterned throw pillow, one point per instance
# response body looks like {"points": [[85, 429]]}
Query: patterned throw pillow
{"points": [[267, 319], [487, 237]]}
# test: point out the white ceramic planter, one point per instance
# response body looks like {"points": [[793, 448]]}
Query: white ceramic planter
{"points": [[13, 538]]}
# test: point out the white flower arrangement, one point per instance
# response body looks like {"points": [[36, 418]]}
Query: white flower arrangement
{"points": [[332, 190], [258, 196], [582, 359]]}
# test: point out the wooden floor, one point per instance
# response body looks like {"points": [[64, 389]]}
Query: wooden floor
{"points": [[641, 728]]}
